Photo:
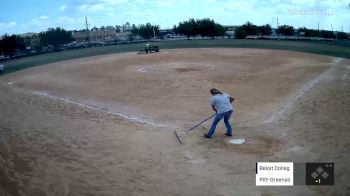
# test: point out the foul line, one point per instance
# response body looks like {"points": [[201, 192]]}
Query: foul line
{"points": [[345, 76], [301, 92], [128, 117], [142, 69]]}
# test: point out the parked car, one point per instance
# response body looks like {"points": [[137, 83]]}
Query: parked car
{"points": [[4, 58]]}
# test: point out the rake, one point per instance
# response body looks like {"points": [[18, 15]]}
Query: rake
{"points": [[181, 137]]}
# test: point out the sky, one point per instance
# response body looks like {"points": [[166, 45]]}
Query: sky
{"points": [[22, 16]]}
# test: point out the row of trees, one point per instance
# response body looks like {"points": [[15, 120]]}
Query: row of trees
{"points": [[323, 33], [126, 27], [147, 31], [209, 28], [203, 27], [263, 30], [285, 30], [9, 44], [55, 37]]}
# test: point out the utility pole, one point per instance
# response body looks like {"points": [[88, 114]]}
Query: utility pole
{"points": [[332, 29], [336, 34], [154, 34], [318, 29], [87, 29], [278, 36]]}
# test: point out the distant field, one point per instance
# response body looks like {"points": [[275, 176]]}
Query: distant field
{"points": [[302, 46]]}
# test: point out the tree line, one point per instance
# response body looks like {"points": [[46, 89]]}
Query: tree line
{"points": [[249, 29], [9, 45], [146, 31], [205, 27], [55, 36]]}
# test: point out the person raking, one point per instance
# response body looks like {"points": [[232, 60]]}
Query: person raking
{"points": [[221, 104]]}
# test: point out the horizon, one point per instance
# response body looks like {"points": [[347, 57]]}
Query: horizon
{"points": [[312, 14]]}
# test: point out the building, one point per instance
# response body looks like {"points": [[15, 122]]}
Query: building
{"points": [[80, 36], [31, 40], [231, 31], [100, 35]]}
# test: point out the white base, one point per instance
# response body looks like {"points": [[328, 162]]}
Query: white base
{"points": [[237, 141]]}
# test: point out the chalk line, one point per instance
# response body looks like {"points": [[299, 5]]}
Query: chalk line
{"points": [[345, 75], [300, 93], [212, 67], [119, 114], [141, 70]]}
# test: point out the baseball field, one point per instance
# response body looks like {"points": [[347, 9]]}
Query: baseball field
{"points": [[101, 121]]}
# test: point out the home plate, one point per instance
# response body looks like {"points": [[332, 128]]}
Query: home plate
{"points": [[237, 141]]}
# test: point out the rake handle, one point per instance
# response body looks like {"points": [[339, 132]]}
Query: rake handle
{"points": [[200, 123]]}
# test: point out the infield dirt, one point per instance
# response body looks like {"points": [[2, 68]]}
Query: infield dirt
{"points": [[104, 125]]}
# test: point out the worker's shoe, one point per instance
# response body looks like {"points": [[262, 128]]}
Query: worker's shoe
{"points": [[206, 136], [228, 134]]}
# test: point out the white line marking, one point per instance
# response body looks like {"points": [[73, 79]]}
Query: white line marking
{"points": [[10, 83], [198, 161], [141, 70], [66, 189], [335, 61], [212, 67], [126, 116], [277, 114]]}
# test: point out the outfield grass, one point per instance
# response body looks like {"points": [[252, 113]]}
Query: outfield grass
{"points": [[302, 46]]}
